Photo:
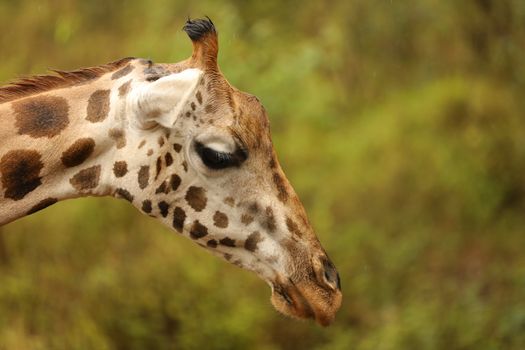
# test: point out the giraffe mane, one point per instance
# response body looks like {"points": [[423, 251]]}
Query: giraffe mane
{"points": [[27, 86]]}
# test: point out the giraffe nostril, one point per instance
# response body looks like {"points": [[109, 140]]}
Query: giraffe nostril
{"points": [[331, 276]]}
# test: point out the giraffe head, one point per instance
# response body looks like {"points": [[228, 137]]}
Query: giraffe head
{"points": [[217, 179]]}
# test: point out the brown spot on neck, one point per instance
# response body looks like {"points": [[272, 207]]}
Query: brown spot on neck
{"points": [[86, 179], [120, 168], [122, 72], [78, 152], [98, 106], [42, 205], [118, 135], [124, 89], [20, 170], [42, 116]]}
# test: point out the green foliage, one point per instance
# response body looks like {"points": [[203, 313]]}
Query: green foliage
{"points": [[401, 126]]}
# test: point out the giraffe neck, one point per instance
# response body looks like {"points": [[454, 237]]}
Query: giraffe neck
{"points": [[67, 143]]}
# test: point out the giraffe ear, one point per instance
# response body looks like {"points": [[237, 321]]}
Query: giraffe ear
{"points": [[163, 100]]}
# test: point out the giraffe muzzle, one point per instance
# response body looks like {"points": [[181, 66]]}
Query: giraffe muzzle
{"points": [[307, 300]]}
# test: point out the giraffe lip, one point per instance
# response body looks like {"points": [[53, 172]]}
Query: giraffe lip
{"points": [[294, 302]]}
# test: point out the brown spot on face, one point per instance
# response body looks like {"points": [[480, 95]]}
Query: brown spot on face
{"points": [[42, 205], [273, 163], [185, 166], [220, 219], [188, 114], [252, 241], [123, 193], [178, 218], [143, 176], [78, 152], [174, 182], [142, 143], [193, 106], [168, 159], [146, 206], [212, 243], [161, 141], [199, 97], [177, 147], [254, 208], [44, 116], [229, 201], [164, 207], [86, 179], [150, 152], [228, 242], [118, 136], [122, 72], [158, 167], [163, 188], [209, 108], [20, 171], [270, 220], [98, 106], [282, 193], [246, 219], [196, 198], [124, 89], [120, 168], [198, 230], [292, 227]]}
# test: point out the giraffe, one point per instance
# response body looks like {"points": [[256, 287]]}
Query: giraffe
{"points": [[180, 144]]}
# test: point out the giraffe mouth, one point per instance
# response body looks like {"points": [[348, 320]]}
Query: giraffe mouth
{"points": [[294, 301]]}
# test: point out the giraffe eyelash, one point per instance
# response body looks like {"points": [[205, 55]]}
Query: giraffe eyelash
{"points": [[220, 160]]}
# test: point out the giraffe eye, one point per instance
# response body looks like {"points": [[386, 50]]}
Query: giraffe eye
{"points": [[219, 160]]}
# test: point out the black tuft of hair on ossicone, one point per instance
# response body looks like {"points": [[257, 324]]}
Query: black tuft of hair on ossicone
{"points": [[198, 28]]}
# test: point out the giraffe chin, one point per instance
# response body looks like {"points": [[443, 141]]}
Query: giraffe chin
{"points": [[304, 301]]}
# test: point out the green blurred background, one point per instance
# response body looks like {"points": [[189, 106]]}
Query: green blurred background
{"points": [[401, 125]]}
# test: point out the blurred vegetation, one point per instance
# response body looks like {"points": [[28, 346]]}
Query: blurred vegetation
{"points": [[401, 125]]}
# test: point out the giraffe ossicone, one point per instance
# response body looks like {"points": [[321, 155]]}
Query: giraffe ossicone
{"points": [[183, 146]]}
